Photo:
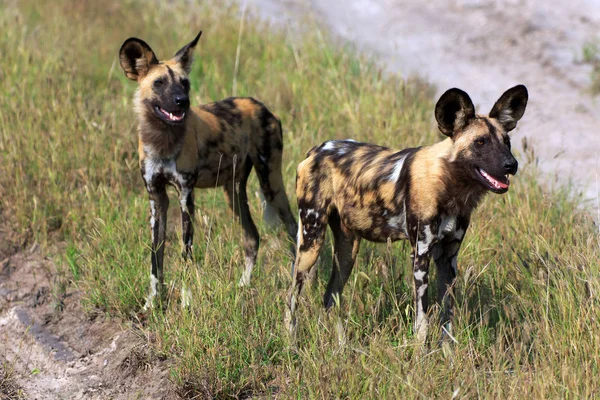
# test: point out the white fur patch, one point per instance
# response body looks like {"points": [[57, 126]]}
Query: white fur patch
{"points": [[245, 279], [395, 175], [154, 166], [270, 217], [152, 217], [299, 235], [448, 225], [153, 292], [423, 245], [311, 211], [329, 145], [185, 192], [396, 220], [419, 275]]}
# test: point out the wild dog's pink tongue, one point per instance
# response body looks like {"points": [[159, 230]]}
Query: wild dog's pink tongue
{"points": [[496, 183], [501, 185]]}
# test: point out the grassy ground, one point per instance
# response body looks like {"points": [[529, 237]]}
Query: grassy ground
{"points": [[527, 317]]}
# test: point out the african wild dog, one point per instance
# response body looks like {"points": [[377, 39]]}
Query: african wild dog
{"points": [[425, 195], [211, 145]]}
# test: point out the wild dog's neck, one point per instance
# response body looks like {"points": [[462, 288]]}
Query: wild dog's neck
{"points": [[462, 194], [161, 139], [441, 184]]}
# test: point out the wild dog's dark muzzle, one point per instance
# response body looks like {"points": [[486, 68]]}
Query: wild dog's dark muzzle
{"points": [[510, 165], [183, 102]]}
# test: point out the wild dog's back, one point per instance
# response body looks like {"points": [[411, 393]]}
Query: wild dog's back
{"points": [[364, 183], [227, 132]]}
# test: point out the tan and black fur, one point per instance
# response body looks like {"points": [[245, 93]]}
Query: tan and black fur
{"points": [[425, 195], [206, 146]]}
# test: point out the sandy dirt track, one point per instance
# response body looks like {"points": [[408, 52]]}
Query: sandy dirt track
{"points": [[484, 47], [59, 353]]}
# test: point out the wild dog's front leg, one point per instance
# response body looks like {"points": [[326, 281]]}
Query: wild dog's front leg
{"points": [[159, 204], [420, 257], [311, 236], [421, 282], [186, 201], [445, 255]]}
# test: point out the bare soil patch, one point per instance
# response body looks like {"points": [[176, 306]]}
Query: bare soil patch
{"points": [[51, 349]]}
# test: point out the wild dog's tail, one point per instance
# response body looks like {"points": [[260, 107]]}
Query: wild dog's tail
{"points": [[267, 160], [270, 217]]}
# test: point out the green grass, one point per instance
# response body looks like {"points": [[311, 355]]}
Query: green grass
{"points": [[591, 56], [527, 312]]}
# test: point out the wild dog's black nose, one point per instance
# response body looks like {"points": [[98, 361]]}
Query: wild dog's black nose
{"points": [[182, 101], [511, 165]]}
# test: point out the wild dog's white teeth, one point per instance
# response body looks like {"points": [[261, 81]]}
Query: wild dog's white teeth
{"points": [[171, 116]]}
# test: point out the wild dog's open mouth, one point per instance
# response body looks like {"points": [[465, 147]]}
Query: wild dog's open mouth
{"points": [[498, 185], [176, 116]]}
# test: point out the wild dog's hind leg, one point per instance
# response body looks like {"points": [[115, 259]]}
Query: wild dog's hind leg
{"points": [[267, 161], [237, 199], [311, 236], [159, 205], [345, 250]]}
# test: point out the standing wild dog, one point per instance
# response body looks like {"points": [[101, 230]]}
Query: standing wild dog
{"points": [[425, 195], [210, 145]]}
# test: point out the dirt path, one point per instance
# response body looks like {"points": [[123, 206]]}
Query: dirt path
{"points": [[484, 47], [52, 354]]}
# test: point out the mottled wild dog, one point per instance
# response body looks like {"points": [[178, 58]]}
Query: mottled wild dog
{"points": [[425, 195], [211, 145]]}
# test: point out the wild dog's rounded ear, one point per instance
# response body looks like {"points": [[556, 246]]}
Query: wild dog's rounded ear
{"points": [[185, 56], [136, 58], [453, 111], [510, 107]]}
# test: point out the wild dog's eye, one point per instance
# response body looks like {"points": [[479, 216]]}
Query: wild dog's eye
{"points": [[185, 83], [480, 141], [158, 83]]}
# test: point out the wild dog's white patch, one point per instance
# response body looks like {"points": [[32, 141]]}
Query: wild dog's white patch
{"points": [[329, 145], [299, 234], [422, 290], [396, 220], [448, 225], [419, 275], [152, 217], [395, 175], [245, 279], [421, 323], [270, 217], [156, 166], [312, 211], [153, 292], [185, 192], [423, 245]]}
